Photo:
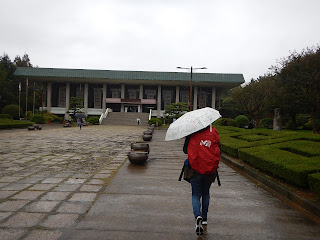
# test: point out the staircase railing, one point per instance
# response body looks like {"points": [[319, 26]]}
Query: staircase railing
{"points": [[104, 115]]}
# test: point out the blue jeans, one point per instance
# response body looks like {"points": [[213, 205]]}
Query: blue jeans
{"points": [[200, 185]]}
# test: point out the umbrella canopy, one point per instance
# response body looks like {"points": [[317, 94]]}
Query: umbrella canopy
{"points": [[191, 122], [80, 115]]}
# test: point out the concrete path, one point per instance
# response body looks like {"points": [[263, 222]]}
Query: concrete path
{"points": [[71, 184]]}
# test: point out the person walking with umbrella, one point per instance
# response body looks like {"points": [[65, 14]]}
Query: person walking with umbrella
{"points": [[80, 116], [79, 122], [202, 146], [203, 152]]}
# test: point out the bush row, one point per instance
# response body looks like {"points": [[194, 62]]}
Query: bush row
{"points": [[290, 155], [232, 138], [8, 123], [278, 160], [314, 183]]}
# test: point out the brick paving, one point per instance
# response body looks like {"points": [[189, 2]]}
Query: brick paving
{"points": [[50, 179]]}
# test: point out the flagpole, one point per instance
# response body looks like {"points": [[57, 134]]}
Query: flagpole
{"points": [[34, 96], [27, 99], [19, 99]]}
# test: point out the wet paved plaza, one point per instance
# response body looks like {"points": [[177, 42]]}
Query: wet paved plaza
{"points": [[63, 183], [49, 179]]}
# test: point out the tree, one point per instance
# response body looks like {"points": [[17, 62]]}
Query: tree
{"points": [[254, 99], [299, 75], [75, 105], [8, 87], [175, 110], [23, 62]]}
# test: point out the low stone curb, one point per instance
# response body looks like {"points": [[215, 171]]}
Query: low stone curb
{"points": [[305, 206]]}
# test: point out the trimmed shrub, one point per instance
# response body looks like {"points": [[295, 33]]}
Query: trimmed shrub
{"points": [[308, 125], [8, 123], [290, 155], [287, 160], [314, 183], [266, 123], [38, 118], [12, 110], [155, 121], [242, 121], [6, 116], [52, 117], [93, 120], [225, 122]]}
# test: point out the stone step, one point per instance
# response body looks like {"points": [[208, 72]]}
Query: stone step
{"points": [[126, 118]]}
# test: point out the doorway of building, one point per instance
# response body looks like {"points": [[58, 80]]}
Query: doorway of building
{"points": [[132, 108]]}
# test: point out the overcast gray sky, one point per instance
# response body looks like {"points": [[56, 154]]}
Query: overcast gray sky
{"points": [[226, 36]]}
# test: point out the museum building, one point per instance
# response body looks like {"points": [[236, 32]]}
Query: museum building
{"points": [[128, 91]]}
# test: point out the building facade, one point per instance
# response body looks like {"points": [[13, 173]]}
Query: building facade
{"points": [[127, 91]]}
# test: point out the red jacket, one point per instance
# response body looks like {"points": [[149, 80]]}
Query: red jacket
{"points": [[203, 151]]}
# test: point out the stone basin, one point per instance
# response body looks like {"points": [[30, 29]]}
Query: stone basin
{"points": [[140, 146], [137, 157], [146, 137]]}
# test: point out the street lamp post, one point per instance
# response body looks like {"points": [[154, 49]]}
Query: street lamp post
{"points": [[191, 69]]}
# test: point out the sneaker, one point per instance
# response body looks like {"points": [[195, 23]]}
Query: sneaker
{"points": [[204, 221], [199, 228]]}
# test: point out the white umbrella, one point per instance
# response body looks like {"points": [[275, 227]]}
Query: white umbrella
{"points": [[191, 122]]}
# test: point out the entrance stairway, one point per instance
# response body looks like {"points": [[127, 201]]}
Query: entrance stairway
{"points": [[125, 118]]}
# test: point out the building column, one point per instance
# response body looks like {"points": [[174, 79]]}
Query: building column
{"points": [[213, 104], [66, 116], [49, 91], [104, 98], [67, 96], [177, 94], [159, 102], [195, 98], [140, 97], [123, 94], [85, 101]]}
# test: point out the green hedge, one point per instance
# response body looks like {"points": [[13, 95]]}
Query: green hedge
{"points": [[7, 124], [38, 118], [292, 167], [225, 122], [242, 121], [314, 183], [93, 120], [290, 155], [246, 138], [7, 116]]}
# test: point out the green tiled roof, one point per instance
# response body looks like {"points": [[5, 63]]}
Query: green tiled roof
{"points": [[127, 75]]}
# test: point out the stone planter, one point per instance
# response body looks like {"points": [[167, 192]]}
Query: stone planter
{"points": [[37, 126], [138, 157], [147, 133], [151, 129], [140, 146], [146, 137], [31, 127]]}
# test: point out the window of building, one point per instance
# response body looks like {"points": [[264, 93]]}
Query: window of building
{"points": [[114, 91], [132, 92], [95, 93]]}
